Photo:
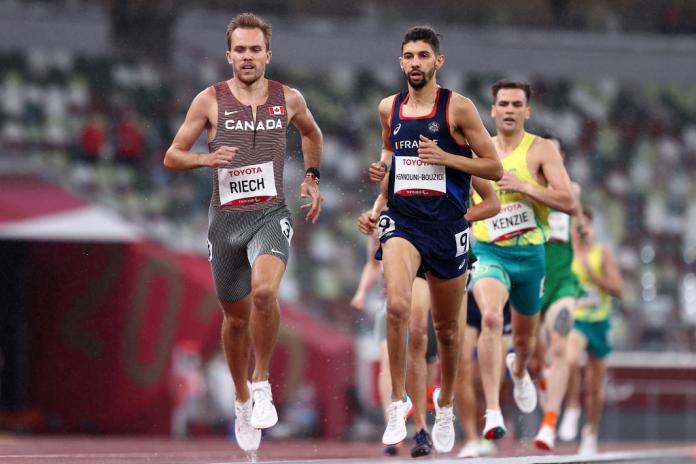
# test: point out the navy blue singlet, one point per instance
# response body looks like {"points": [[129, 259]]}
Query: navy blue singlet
{"points": [[416, 189]]}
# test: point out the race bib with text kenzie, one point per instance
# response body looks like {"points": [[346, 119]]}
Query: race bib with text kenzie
{"points": [[514, 219]]}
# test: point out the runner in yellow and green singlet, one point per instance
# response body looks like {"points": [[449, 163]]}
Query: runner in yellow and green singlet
{"points": [[599, 274], [561, 288], [510, 247]]}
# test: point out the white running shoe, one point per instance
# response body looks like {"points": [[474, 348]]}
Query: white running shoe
{"points": [[248, 437], [524, 391], [495, 426], [568, 429], [396, 423], [588, 443], [487, 447], [263, 414], [443, 429], [546, 438], [469, 450]]}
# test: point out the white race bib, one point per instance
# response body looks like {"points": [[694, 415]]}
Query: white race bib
{"points": [[593, 298], [514, 219], [246, 185], [462, 241], [415, 177], [560, 226]]}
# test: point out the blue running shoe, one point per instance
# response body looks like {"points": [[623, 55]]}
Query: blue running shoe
{"points": [[423, 445]]}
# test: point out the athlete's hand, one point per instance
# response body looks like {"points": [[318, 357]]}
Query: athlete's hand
{"points": [[310, 189], [429, 152], [221, 157], [511, 182], [367, 222], [358, 301], [377, 171]]}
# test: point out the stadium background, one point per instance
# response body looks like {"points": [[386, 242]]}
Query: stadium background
{"points": [[102, 265]]}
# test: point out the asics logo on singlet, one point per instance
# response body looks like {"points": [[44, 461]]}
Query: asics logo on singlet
{"points": [[397, 128], [406, 144], [262, 124]]}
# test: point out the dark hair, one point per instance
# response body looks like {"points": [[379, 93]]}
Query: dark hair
{"points": [[249, 21], [510, 84], [424, 33]]}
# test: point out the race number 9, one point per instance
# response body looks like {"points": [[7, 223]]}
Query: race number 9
{"points": [[386, 225], [462, 240]]}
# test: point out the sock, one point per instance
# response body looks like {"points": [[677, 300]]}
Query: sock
{"points": [[261, 384], [550, 418]]}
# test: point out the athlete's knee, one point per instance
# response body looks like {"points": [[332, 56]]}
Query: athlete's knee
{"points": [[558, 349], [522, 344], [447, 332], [264, 297], [235, 321], [418, 340], [564, 322], [398, 308], [595, 390], [493, 321]]}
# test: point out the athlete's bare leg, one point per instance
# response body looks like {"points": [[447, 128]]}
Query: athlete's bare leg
{"points": [[464, 395], [401, 261], [572, 397], [524, 330], [558, 323], [266, 273], [416, 371], [491, 296], [384, 379], [446, 298], [236, 341], [576, 346], [594, 392], [538, 360]]}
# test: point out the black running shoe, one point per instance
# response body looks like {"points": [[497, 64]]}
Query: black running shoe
{"points": [[424, 444], [391, 450]]}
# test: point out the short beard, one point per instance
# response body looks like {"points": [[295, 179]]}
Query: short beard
{"points": [[426, 78]]}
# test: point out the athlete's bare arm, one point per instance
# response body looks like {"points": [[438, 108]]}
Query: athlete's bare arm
{"points": [[489, 205], [379, 170], [558, 193], [367, 221], [368, 277], [610, 281], [312, 141], [202, 114], [468, 126]]}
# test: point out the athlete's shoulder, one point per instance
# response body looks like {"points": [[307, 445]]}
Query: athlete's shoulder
{"points": [[205, 98], [293, 97], [544, 148], [386, 104], [459, 100], [461, 106]]}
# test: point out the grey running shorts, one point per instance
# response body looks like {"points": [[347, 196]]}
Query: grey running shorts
{"points": [[236, 239]]}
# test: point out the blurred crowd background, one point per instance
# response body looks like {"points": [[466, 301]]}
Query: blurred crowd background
{"points": [[95, 114]]}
